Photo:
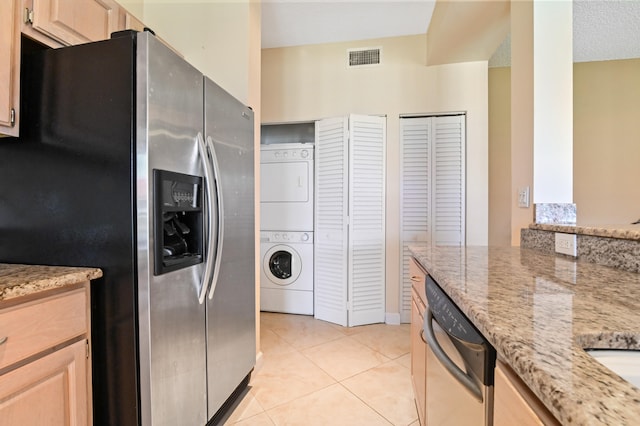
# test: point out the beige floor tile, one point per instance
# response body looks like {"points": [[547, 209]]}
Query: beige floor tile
{"points": [[386, 389], [344, 357], [273, 345], [259, 420], [303, 359], [405, 360], [333, 406], [248, 406], [391, 341], [304, 332], [286, 377], [270, 320], [350, 331]]}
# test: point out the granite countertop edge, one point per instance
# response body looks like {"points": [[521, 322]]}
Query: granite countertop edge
{"points": [[624, 232], [18, 280], [606, 399]]}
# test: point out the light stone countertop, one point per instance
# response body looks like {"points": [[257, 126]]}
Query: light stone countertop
{"points": [[25, 280], [539, 312], [625, 232]]}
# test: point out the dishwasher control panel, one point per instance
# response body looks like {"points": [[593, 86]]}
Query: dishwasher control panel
{"points": [[449, 316]]}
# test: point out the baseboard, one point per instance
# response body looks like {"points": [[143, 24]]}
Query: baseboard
{"points": [[259, 362], [392, 318]]}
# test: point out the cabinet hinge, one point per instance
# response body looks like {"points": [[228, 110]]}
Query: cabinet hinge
{"points": [[28, 16], [349, 305], [13, 117], [88, 349]]}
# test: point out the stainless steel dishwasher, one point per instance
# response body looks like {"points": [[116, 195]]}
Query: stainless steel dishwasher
{"points": [[460, 364]]}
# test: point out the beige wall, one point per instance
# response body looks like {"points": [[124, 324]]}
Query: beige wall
{"points": [[606, 144], [500, 156], [134, 7], [607, 141], [254, 97], [522, 112], [312, 82], [213, 36]]}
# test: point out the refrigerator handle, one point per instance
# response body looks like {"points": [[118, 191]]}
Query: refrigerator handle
{"points": [[208, 177], [216, 175]]}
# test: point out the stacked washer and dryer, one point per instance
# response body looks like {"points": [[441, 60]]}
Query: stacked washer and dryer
{"points": [[286, 228]]}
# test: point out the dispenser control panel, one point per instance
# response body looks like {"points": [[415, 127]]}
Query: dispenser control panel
{"points": [[178, 221]]}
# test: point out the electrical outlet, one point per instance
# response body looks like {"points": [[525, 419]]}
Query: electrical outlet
{"points": [[523, 197], [566, 244]]}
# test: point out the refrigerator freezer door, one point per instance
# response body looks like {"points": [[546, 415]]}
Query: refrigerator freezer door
{"points": [[231, 338], [171, 319]]}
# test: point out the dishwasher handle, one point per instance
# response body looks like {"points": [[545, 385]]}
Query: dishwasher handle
{"points": [[462, 377]]}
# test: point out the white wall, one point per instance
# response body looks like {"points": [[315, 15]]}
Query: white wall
{"points": [[553, 102], [311, 82]]}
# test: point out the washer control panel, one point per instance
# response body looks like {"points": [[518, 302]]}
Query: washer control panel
{"points": [[286, 237], [286, 152]]}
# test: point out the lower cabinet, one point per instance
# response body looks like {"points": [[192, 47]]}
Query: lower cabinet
{"points": [[48, 391], [418, 360], [418, 345], [514, 403], [45, 366]]}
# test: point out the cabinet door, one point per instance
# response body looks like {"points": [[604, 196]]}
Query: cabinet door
{"points": [[418, 358], [515, 404], [9, 67], [417, 278], [49, 391], [76, 21]]}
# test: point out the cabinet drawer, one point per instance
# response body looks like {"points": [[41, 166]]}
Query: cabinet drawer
{"points": [[36, 326]]}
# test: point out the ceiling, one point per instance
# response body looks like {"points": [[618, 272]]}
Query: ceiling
{"points": [[300, 22], [603, 29]]}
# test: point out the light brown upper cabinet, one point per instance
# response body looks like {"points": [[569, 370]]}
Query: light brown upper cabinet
{"points": [[9, 66], [72, 21], [53, 23]]}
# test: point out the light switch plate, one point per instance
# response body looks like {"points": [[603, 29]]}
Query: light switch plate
{"points": [[523, 197]]}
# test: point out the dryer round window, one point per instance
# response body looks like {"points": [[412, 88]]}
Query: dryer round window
{"points": [[282, 265]]}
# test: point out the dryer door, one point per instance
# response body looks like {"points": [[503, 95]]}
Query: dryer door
{"points": [[282, 265]]}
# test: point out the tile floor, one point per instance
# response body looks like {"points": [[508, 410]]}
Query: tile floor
{"points": [[317, 373]]}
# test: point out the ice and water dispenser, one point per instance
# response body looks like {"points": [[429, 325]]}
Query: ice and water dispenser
{"points": [[178, 221]]}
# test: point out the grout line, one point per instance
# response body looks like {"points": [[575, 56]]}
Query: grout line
{"points": [[365, 403], [301, 323]]}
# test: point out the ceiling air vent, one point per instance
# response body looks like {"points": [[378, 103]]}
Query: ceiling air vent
{"points": [[367, 56]]}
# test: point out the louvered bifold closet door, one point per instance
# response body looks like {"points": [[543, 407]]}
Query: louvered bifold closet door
{"points": [[448, 180], [367, 219], [415, 197], [432, 199], [330, 230]]}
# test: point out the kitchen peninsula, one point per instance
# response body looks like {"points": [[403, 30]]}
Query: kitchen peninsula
{"points": [[540, 311]]}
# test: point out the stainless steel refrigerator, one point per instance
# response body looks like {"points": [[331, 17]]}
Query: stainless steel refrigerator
{"points": [[131, 160]]}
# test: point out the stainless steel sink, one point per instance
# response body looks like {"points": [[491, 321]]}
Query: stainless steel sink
{"points": [[625, 363]]}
